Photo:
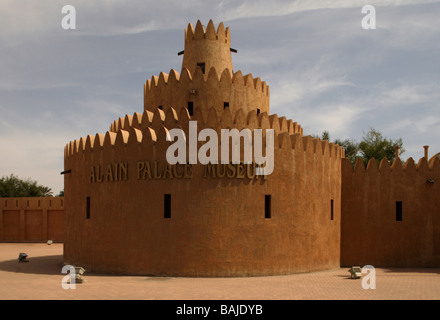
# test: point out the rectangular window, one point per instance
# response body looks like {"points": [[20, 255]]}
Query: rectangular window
{"points": [[398, 210], [202, 66], [88, 208], [258, 111], [225, 105], [167, 206], [267, 206], [331, 210], [190, 108]]}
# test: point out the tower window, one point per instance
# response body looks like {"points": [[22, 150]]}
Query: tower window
{"points": [[225, 105], [167, 206], [202, 66], [398, 210], [258, 111], [88, 208], [267, 206], [331, 210], [190, 108]]}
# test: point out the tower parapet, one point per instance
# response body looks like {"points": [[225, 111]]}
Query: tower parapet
{"points": [[207, 48], [207, 79]]}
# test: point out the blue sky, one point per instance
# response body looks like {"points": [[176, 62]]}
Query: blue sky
{"points": [[324, 70]]}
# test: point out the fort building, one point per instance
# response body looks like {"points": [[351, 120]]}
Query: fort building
{"points": [[127, 210]]}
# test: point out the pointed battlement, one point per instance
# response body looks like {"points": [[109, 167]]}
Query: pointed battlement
{"points": [[208, 33], [150, 130]]}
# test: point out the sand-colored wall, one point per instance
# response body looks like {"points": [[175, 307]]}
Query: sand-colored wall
{"points": [[370, 233], [31, 219], [217, 225]]}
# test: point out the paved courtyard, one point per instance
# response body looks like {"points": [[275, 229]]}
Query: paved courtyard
{"points": [[41, 278]]}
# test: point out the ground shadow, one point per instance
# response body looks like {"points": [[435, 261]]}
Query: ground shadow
{"points": [[38, 265]]}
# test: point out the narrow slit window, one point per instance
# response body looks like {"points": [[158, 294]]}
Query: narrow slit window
{"points": [[202, 66], [191, 108], [398, 210], [258, 111], [331, 210], [267, 206], [88, 208], [167, 206], [225, 105]]}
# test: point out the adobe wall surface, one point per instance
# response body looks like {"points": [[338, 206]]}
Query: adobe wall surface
{"points": [[217, 225], [31, 219], [369, 230]]}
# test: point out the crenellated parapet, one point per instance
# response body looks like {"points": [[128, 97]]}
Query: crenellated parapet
{"points": [[150, 129], [227, 119], [204, 91], [409, 168]]}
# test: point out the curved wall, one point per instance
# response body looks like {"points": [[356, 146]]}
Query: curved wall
{"points": [[218, 225]]}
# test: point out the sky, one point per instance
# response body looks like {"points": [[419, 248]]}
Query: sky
{"points": [[325, 71]]}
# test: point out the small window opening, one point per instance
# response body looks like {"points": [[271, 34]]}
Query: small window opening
{"points": [[258, 112], [88, 207], [398, 210], [331, 210], [190, 108], [202, 66], [160, 107], [267, 206], [167, 206], [225, 105]]}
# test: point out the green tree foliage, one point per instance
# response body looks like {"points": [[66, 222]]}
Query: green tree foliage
{"points": [[12, 186], [351, 149], [374, 145]]}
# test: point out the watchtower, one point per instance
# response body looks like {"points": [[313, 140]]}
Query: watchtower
{"points": [[206, 48]]}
